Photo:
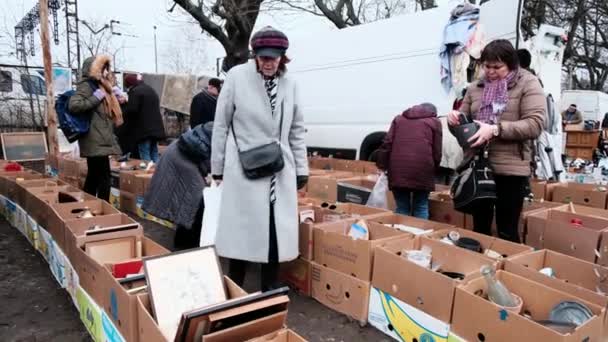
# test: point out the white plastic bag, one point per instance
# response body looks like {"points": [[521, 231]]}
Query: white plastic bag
{"points": [[212, 197], [378, 197]]}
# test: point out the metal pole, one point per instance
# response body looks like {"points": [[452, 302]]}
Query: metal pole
{"points": [[48, 77], [155, 52]]}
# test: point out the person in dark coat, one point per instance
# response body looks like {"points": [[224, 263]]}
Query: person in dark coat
{"points": [[411, 154], [176, 189], [202, 108], [145, 121]]}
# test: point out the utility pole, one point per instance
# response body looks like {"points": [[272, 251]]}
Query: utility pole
{"points": [[155, 52], [48, 77]]}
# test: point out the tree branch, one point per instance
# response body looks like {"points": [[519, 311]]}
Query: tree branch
{"points": [[206, 24]]}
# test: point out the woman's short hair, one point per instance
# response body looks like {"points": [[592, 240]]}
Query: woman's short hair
{"points": [[500, 50]]}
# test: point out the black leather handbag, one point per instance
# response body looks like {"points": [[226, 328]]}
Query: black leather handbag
{"points": [[474, 183], [262, 161]]}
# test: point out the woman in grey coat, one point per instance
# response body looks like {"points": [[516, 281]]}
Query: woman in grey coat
{"points": [[258, 218]]}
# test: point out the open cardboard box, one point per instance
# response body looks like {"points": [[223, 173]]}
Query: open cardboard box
{"points": [[584, 194], [543, 190], [319, 216], [341, 292], [554, 229], [132, 183], [283, 335], [397, 220], [333, 247], [39, 199], [150, 332], [427, 290], [492, 323], [8, 182], [574, 276], [60, 213], [326, 187], [441, 209], [531, 208], [358, 210], [505, 248], [297, 274], [20, 191]]}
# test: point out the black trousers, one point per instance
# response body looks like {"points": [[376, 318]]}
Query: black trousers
{"points": [[190, 237], [237, 269], [510, 193], [98, 178]]}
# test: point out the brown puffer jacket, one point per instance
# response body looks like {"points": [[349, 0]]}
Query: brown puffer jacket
{"points": [[521, 123]]}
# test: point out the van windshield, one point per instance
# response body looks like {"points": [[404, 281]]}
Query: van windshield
{"points": [[33, 85]]}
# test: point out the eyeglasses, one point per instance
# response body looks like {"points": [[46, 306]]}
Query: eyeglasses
{"points": [[494, 66]]}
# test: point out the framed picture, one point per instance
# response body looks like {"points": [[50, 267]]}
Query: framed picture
{"points": [[194, 324], [26, 146], [181, 282]]}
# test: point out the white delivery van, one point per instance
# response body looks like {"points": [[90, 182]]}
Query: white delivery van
{"points": [[593, 104], [353, 82], [22, 96]]}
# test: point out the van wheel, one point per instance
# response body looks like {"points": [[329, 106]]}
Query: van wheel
{"points": [[370, 146], [373, 157]]}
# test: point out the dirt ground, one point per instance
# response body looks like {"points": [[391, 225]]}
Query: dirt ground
{"points": [[34, 308]]}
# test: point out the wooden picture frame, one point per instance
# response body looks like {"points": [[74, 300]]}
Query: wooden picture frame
{"points": [[180, 282], [24, 146], [196, 323]]}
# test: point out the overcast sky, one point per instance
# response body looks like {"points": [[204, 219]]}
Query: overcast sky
{"points": [[139, 17]]}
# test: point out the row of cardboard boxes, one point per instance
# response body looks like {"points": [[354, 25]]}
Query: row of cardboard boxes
{"points": [[88, 262], [371, 281]]}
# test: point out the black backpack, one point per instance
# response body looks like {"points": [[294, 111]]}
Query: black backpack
{"points": [[475, 182]]}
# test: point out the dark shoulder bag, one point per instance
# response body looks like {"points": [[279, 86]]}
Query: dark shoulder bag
{"points": [[474, 183], [261, 161]]}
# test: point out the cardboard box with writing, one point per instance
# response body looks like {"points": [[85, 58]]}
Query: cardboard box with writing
{"points": [[297, 274], [583, 234], [403, 222], [62, 212], [441, 209], [574, 276], [334, 248], [505, 249], [318, 216], [433, 291], [340, 292], [150, 332], [476, 318], [584, 194], [403, 322], [118, 302]]}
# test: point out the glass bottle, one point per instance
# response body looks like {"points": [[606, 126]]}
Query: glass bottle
{"points": [[497, 291]]}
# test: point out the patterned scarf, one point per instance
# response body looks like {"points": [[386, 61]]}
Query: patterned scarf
{"points": [[271, 89], [494, 99]]}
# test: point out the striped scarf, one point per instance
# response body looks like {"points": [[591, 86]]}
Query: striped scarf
{"points": [[494, 99], [271, 90]]}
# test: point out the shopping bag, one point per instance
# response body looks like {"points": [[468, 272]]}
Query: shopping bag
{"points": [[378, 198], [212, 197]]}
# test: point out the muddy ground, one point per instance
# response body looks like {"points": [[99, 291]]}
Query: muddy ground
{"points": [[34, 308]]}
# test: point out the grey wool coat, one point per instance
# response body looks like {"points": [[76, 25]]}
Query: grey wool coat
{"points": [[244, 221]]}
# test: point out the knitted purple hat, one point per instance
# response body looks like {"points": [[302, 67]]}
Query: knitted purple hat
{"points": [[269, 42]]}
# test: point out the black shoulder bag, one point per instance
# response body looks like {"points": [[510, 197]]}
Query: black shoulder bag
{"points": [[474, 183], [261, 161]]}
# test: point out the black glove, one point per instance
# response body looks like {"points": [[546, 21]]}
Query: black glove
{"points": [[302, 181], [217, 177]]}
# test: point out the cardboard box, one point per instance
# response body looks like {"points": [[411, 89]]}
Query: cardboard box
{"points": [[341, 292], [326, 187], [333, 247], [432, 292], [90, 314], [441, 209], [584, 194], [356, 190], [403, 322], [110, 332], [554, 229], [45, 244], [283, 335], [128, 202], [130, 182], [57, 264], [60, 213], [492, 323], [39, 199], [531, 208], [401, 221], [150, 332], [31, 230], [115, 197], [505, 248], [72, 282], [319, 216], [120, 305], [359, 211], [20, 190], [573, 276], [297, 274]]}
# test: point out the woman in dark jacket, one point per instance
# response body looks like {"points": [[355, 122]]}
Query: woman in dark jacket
{"points": [[176, 189], [411, 153], [144, 117]]}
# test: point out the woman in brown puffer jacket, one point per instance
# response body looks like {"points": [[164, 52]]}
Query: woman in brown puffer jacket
{"points": [[509, 105]]}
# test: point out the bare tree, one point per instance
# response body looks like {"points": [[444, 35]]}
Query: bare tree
{"points": [[96, 38], [188, 54]]}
